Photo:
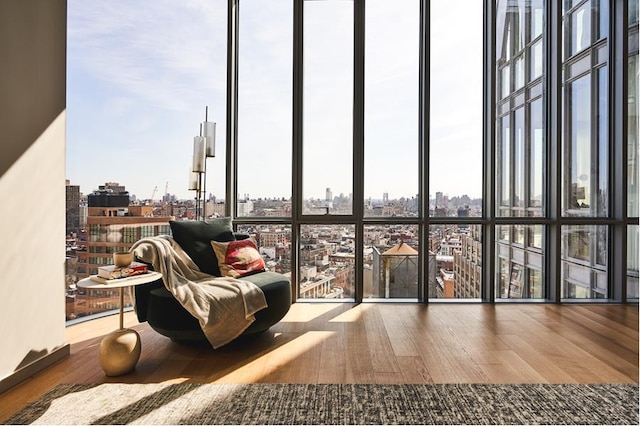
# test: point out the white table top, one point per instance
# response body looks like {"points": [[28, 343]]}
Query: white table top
{"points": [[123, 282]]}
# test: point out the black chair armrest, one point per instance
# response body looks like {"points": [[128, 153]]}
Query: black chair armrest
{"points": [[141, 293], [142, 297]]}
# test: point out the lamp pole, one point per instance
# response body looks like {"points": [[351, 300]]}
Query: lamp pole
{"points": [[203, 148]]}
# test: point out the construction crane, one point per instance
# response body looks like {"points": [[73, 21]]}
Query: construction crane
{"points": [[165, 199], [154, 193]]}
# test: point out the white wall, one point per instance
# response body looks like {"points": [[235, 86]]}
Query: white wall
{"points": [[32, 186]]}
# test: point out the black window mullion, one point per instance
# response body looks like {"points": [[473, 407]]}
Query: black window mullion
{"points": [[489, 209], [423, 150], [618, 120], [358, 142], [553, 141]]}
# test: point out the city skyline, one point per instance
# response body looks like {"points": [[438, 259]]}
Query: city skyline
{"points": [[159, 196]]}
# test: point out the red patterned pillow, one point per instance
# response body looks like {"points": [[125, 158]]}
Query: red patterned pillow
{"points": [[238, 258]]}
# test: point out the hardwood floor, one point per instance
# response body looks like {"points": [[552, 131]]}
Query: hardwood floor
{"points": [[377, 343]]}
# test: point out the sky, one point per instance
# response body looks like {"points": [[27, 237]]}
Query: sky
{"points": [[139, 79]]}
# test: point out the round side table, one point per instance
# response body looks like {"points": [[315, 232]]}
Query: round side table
{"points": [[120, 350]]}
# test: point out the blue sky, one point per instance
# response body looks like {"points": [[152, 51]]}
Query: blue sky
{"points": [[140, 76]]}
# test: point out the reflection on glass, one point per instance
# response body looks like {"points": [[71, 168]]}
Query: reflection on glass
{"points": [[504, 189], [581, 28], [536, 60], [327, 261], [633, 12], [536, 162], [455, 261], [519, 73], [264, 107], [603, 14], [603, 143], [633, 260], [391, 108], [537, 18], [391, 255], [632, 138], [578, 149], [536, 290], [518, 234], [519, 156], [519, 265], [328, 108], [535, 236], [504, 82], [520, 15], [584, 262]]}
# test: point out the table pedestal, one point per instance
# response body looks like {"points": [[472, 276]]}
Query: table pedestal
{"points": [[120, 351]]}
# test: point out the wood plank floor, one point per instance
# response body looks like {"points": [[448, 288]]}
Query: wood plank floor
{"points": [[377, 343]]}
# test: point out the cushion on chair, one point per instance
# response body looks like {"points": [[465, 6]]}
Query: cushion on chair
{"points": [[238, 258], [195, 239]]}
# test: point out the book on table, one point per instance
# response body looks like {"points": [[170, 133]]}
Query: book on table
{"points": [[101, 280], [110, 272]]}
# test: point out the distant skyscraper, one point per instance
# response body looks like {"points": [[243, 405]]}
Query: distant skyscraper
{"points": [[72, 207], [439, 199], [385, 198], [328, 195]]}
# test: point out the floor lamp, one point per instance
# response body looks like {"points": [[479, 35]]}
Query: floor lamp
{"points": [[204, 146]]}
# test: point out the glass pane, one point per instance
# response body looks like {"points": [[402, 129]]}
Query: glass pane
{"points": [[391, 254], [519, 16], [455, 157], [519, 265], [536, 162], [264, 108], [505, 82], [601, 163], [328, 108], [633, 12], [537, 18], [633, 260], [603, 15], [519, 156], [455, 261], [536, 60], [580, 28], [584, 262], [577, 149], [391, 108], [632, 135], [504, 162], [274, 244], [327, 261], [519, 76]]}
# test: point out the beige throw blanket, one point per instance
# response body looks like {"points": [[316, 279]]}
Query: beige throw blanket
{"points": [[224, 306]]}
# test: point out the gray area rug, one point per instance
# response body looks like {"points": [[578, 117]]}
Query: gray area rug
{"points": [[334, 404]]}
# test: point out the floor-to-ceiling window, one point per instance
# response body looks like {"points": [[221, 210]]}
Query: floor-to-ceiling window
{"points": [[389, 173], [585, 148], [360, 152], [521, 151]]}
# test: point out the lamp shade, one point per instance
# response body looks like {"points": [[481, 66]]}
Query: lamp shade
{"points": [[194, 181], [198, 154], [209, 132]]}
